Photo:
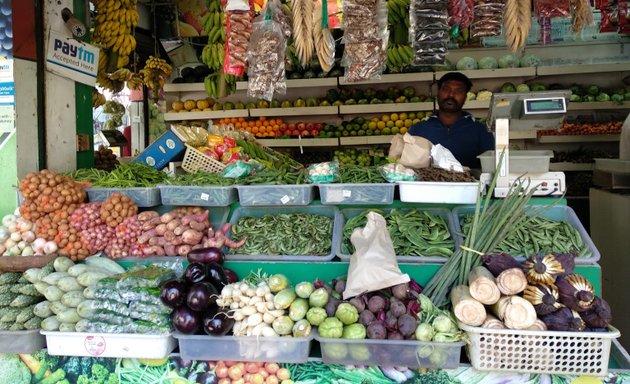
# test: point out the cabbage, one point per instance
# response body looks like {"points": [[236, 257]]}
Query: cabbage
{"points": [[471, 96], [466, 63], [508, 61], [522, 88], [488, 62], [536, 87], [602, 97], [529, 61], [508, 87]]}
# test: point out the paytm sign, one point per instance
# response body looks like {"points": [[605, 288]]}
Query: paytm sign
{"points": [[71, 58]]}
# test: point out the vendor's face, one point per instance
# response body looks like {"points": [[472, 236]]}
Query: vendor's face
{"points": [[451, 96]]}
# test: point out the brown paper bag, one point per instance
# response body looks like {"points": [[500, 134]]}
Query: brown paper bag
{"points": [[373, 264], [416, 152], [396, 146]]}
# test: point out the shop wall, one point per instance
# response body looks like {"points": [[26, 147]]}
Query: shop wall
{"points": [[8, 169]]}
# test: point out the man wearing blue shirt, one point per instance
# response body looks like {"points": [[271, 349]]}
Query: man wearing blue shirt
{"points": [[452, 127]]}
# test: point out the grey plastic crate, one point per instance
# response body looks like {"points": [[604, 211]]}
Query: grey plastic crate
{"points": [[348, 213], [328, 211], [143, 197], [21, 341], [556, 212], [204, 196], [284, 194], [406, 353], [521, 161], [244, 348], [368, 193]]}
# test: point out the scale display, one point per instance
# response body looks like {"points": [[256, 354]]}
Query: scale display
{"points": [[540, 106]]}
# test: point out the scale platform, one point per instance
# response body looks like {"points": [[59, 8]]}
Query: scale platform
{"points": [[549, 183]]}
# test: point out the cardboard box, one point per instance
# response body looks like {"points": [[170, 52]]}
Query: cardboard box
{"points": [[161, 151]]}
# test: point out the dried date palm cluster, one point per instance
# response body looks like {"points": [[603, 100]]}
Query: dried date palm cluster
{"points": [[105, 159]]}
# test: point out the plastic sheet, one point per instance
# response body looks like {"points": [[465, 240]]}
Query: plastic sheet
{"points": [[487, 18], [552, 8], [429, 31], [267, 48]]}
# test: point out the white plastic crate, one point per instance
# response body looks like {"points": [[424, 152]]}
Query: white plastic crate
{"points": [[204, 196], [267, 195], [572, 353], [368, 193], [125, 345], [438, 192], [406, 353], [520, 161], [143, 197], [244, 348]]}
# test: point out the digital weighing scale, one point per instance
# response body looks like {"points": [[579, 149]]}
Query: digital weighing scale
{"points": [[525, 111]]}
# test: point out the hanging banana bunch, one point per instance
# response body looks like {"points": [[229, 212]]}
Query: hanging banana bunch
{"points": [[303, 30], [323, 38], [517, 22], [154, 74], [214, 25], [113, 26], [98, 99]]}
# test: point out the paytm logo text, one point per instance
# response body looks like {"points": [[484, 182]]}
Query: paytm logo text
{"points": [[74, 51]]}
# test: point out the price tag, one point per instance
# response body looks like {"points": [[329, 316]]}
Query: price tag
{"points": [[285, 199], [204, 196], [346, 193]]}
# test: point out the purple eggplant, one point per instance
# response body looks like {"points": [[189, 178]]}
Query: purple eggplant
{"points": [[195, 273], [218, 325], [216, 275], [185, 320], [205, 255], [173, 293], [201, 296]]}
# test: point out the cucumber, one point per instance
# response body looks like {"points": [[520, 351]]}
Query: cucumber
{"points": [[89, 292], [68, 316], [41, 287], [50, 323], [54, 277], [86, 308], [42, 309], [78, 269], [72, 298], [53, 293], [62, 263], [68, 284], [104, 263], [90, 277], [56, 307], [32, 274], [67, 327]]}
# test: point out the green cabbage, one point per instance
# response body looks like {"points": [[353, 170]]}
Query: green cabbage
{"points": [[522, 88], [508, 87], [488, 62], [530, 61], [466, 63], [509, 61]]}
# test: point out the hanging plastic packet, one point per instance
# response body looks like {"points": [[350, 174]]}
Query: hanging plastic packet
{"points": [[429, 30], [487, 18], [238, 24], [581, 15], [324, 40], [321, 173], [267, 47], [237, 169], [552, 8], [624, 17], [365, 39], [460, 14]]}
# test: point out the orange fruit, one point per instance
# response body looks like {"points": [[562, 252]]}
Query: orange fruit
{"points": [[254, 130], [177, 105]]}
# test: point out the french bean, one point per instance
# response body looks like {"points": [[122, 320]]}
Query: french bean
{"points": [[284, 234], [413, 232], [354, 174], [538, 234], [200, 178], [125, 175]]}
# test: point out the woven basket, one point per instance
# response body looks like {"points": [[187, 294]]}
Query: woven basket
{"points": [[552, 352], [195, 160]]}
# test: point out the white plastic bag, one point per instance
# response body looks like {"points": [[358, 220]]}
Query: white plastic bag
{"points": [[441, 157], [373, 264]]}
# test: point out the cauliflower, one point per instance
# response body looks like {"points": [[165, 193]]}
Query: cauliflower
{"points": [[484, 95]]}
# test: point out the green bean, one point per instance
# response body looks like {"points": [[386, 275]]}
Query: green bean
{"points": [[125, 175], [413, 232], [354, 174], [538, 234], [200, 178], [284, 234]]}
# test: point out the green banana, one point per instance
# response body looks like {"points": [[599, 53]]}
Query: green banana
{"points": [[207, 86], [403, 55], [408, 51], [217, 19], [394, 56]]}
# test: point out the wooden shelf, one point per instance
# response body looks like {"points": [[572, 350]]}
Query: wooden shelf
{"points": [[184, 87], [577, 138], [494, 73], [596, 105], [299, 142], [299, 83], [394, 78], [300, 111], [565, 166], [519, 135], [582, 68], [477, 104], [384, 108], [205, 115], [365, 140]]}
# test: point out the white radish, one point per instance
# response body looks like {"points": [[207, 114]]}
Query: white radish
{"points": [[243, 288], [277, 312], [249, 310], [226, 291], [238, 316], [270, 306], [257, 330], [255, 300], [234, 305], [250, 292], [254, 320], [261, 307], [261, 291], [268, 318], [268, 332], [269, 296]]}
